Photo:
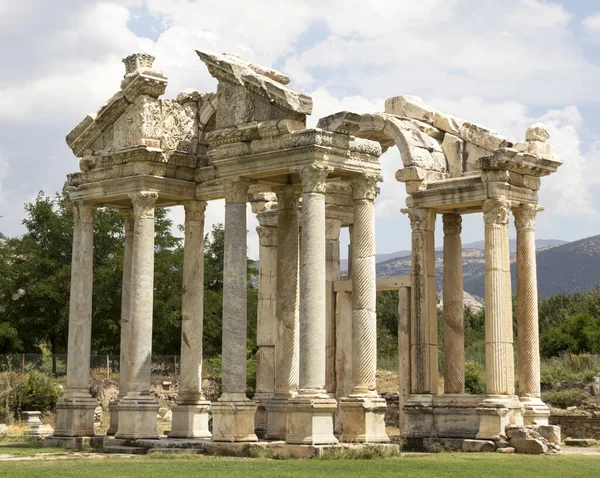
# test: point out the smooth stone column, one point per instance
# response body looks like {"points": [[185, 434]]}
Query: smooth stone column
{"points": [[332, 261], [502, 407], [424, 352], [233, 413], [138, 408], [288, 336], [364, 410], [190, 415], [536, 411], [454, 329], [128, 220], [75, 409], [404, 316], [266, 324], [310, 414]]}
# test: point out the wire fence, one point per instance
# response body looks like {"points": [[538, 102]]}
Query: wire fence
{"points": [[101, 366]]}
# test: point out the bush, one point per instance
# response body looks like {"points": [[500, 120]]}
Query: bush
{"points": [[474, 378], [565, 398], [39, 392], [10, 384]]}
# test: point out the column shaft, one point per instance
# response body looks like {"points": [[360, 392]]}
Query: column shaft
{"points": [[126, 304], [332, 259], [527, 303], [454, 331], [499, 365]]}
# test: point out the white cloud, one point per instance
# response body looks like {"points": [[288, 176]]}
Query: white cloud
{"points": [[592, 23]]}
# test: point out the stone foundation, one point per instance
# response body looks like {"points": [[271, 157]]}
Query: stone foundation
{"points": [[577, 427]]}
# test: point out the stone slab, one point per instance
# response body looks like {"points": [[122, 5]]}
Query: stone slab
{"points": [[530, 446], [580, 442], [126, 450], [479, 446]]}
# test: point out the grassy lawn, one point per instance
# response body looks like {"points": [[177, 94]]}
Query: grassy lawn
{"points": [[24, 446], [440, 465]]}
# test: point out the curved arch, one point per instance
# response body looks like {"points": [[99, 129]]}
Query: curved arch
{"points": [[416, 148]]}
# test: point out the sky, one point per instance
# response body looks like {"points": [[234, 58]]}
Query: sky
{"points": [[505, 65]]}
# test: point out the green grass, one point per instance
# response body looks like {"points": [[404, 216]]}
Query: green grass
{"points": [[439, 465], [24, 446]]}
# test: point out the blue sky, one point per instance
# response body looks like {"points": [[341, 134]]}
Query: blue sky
{"points": [[504, 64]]}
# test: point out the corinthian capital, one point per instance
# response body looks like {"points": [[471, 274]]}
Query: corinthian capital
{"points": [[313, 177], [287, 197], [267, 235], [452, 223], [495, 211], [525, 216], [236, 191], [194, 211], [365, 187], [143, 203], [83, 212], [421, 219]]}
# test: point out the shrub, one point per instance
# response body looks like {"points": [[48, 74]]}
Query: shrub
{"points": [[565, 398], [39, 392], [10, 385], [474, 378]]}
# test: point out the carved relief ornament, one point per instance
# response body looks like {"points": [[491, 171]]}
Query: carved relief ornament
{"points": [[143, 203], [525, 216], [365, 187], [314, 177], [496, 211], [287, 197], [421, 219], [267, 235], [236, 191], [452, 223], [83, 213], [194, 211]]}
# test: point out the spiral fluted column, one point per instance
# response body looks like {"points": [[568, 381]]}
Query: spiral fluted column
{"points": [[190, 415], [454, 330]]}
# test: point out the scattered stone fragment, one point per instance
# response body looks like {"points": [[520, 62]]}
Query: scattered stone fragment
{"points": [[550, 433], [508, 449], [531, 446], [580, 442], [481, 446], [537, 132]]}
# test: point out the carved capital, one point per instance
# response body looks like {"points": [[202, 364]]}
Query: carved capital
{"points": [[313, 177], [287, 197], [143, 203], [495, 212], [236, 191], [452, 223], [365, 187], [194, 211], [525, 216], [267, 235], [83, 212], [421, 219]]}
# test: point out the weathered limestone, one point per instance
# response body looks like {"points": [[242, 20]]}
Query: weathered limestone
{"points": [[332, 261], [310, 414], [266, 324], [128, 219], [536, 412], [233, 413], [404, 353], [190, 415], [454, 331], [364, 410], [75, 409], [287, 348], [138, 408]]}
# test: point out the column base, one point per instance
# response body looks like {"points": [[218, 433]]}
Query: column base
{"points": [[310, 421], [536, 412], [364, 420], [113, 408], [137, 417], [495, 413], [233, 420], [260, 419], [75, 416], [276, 418], [190, 420]]}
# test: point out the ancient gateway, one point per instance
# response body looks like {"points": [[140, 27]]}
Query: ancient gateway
{"points": [[248, 142]]}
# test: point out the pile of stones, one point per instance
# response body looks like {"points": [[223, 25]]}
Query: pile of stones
{"points": [[534, 439]]}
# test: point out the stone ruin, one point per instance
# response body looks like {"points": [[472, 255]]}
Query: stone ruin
{"points": [[316, 359]]}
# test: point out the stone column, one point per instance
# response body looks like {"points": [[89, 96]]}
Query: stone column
{"points": [[190, 415], [424, 352], [288, 337], [266, 324], [233, 413], [536, 412], [310, 414], [138, 408], [454, 330], [364, 410], [128, 220], [404, 367], [75, 409], [502, 407], [332, 260]]}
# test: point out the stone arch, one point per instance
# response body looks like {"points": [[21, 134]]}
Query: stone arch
{"points": [[416, 147]]}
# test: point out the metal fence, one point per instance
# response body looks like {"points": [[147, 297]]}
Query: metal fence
{"points": [[101, 366]]}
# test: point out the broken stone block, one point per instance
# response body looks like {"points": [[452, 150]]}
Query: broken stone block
{"points": [[454, 149], [550, 433], [531, 446], [537, 132], [584, 442], [480, 446], [516, 432], [410, 107], [507, 449], [189, 95], [446, 123]]}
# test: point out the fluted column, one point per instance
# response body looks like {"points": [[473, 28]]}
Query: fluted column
{"points": [[128, 221], [527, 317], [138, 408], [424, 353], [233, 413], [310, 416], [332, 260], [75, 410], [190, 415], [499, 364], [288, 336], [454, 330], [364, 411]]}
